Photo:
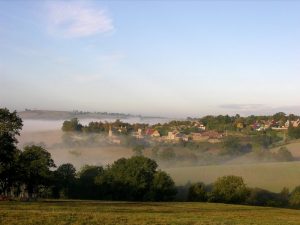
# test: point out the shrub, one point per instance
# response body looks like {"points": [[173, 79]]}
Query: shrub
{"points": [[229, 189], [261, 197], [197, 193], [294, 199]]}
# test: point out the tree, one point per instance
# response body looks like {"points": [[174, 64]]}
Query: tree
{"points": [[294, 132], [87, 186], [229, 189], [138, 150], [231, 146], [284, 154], [35, 164], [197, 193], [294, 200], [129, 179], [72, 125], [163, 187], [64, 178], [280, 116], [10, 126], [10, 123]]}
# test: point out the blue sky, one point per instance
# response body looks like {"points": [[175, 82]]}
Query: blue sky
{"points": [[168, 58]]}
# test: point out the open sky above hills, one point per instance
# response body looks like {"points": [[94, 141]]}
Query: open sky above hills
{"points": [[167, 58]]}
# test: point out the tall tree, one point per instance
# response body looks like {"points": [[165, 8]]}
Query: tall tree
{"points": [[10, 126], [35, 163]]}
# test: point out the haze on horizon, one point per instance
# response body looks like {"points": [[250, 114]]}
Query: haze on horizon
{"points": [[165, 58]]}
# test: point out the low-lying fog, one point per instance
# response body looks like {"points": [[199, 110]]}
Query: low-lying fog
{"points": [[49, 134], [43, 125]]}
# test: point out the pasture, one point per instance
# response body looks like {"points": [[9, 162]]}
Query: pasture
{"points": [[111, 213], [271, 176]]}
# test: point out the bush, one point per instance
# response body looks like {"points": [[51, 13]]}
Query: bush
{"points": [[197, 193], [294, 199], [163, 187], [229, 189], [261, 197], [284, 154]]}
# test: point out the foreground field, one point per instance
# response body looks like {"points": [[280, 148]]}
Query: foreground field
{"points": [[89, 212], [271, 176]]}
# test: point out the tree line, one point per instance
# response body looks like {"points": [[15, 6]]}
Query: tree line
{"points": [[233, 190], [31, 173]]}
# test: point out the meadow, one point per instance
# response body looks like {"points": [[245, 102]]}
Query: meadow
{"points": [[272, 176], [133, 213]]}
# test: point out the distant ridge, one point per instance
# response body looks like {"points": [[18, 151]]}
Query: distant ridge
{"points": [[63, 115]]}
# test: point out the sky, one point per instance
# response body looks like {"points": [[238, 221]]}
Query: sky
{"points": [[160, 58]]}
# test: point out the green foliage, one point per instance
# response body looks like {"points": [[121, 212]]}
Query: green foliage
{"points": [[64, 180], [219, 123], [197, 193], [266, 139], [35, 164], [10, 126], [72, 125], [294, 200], [232, 146], [162, 188], [261, 197], [294, 132], [229, 189], [86, 183], [10, 122]]}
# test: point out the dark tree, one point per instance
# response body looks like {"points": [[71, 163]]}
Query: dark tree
{"points": [[87, 187], [64, 178], [197, 193], [163, 187], [35, 164], [72, 125], [10, 126]]}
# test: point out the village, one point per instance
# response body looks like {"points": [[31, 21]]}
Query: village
{"points": [[196, 131]]}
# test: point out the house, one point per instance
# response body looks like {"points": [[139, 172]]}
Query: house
{"points": [[138, 134], [198, 137], [295, 123], [112, 138], [152, 133], [155, 134], [212, 134], [180, 136], [171, 135]]}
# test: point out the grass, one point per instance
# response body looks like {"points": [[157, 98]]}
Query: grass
{"points": [[111, 213], [271, 176]]}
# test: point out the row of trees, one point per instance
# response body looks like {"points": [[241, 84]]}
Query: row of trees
{"points": [[31, 173], [232, 189], [133, 179], [118, 126]]}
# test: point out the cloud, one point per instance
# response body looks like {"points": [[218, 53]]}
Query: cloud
{"points": [[77, 19]]}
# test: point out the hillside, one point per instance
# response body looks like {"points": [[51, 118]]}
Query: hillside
{"points": [[271, 176], [64, 115]]}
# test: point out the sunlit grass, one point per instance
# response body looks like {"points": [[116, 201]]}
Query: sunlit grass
{"points": [[93, 212], [271, 176]]}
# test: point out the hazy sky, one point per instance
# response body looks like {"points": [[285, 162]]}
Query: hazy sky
{"points": [[169, 58]]}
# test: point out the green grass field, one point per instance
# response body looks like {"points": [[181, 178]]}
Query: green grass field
{"points": [[93, 212], [270, 176]]}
